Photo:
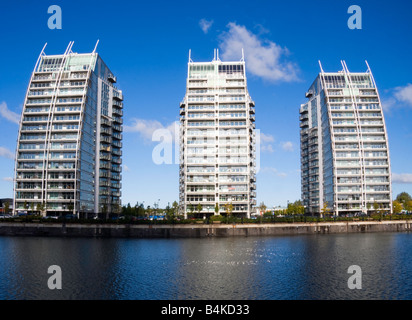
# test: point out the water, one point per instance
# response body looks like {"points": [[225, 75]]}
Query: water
{"points": [[266, 268]]}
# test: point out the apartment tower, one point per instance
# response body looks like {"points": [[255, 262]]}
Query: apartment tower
{"points": [[69, 147], [345, 161], [217, 140]]}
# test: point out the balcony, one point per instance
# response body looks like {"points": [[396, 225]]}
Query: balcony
{"points": [[105, 166], [182, 111], [117, 152], [118, 120], [112, 78], [304, 124], [106, 131], [117, 128], [118, 136], [117, 111], [117, 143], [117, 103], [309, 94], [105, 122], [105, 157], [103, 174], [104, 183], [303, 109], [118, 95], [117, 160], [106, 139]]}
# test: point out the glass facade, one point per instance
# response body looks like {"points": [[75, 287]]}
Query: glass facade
{"points": [[57, 168], [217, 147], [348, 169]]}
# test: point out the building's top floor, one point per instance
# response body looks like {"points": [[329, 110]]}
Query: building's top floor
{"points": [[216, 67], [72, 61], [341, 79]]}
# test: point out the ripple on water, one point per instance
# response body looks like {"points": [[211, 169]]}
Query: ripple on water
{"points": [[300, 267]]}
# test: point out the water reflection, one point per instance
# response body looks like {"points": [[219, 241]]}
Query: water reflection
{"points": [[296, 267]]}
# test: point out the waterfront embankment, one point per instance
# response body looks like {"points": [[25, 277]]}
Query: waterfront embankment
{"points": [[198, 230]]}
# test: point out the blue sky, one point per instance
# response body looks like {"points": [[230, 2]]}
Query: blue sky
{"points": [[146, 45]]}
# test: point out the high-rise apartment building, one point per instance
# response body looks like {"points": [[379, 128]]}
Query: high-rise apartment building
{"points": [[68, 157], [217, 140], [345, 160]]}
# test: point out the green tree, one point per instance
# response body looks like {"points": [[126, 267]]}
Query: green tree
{"points": [[140, 210], [375, 207], [38, 207], [403, 197], [325, 210], [117, 208], [217, 209], [6, 207], [191, 208], [267, 214], [199, 208], [175, 207], [262, 208], [70, 207], [127, 210], [228, 209], [397, 207], [170, 213], [408, 206], [32, 207]]}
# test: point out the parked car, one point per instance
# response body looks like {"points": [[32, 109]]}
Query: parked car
{"points": [[5, 216], [70, 216], [51, 217]]}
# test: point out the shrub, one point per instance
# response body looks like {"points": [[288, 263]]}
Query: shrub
{"points": [[217, 218]]}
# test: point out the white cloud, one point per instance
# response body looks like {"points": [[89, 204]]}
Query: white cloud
{"points": [[267, 148], [264, 58], [10, 179], [388, 103], [205, 25], [8, 114], [126, 168], [402, 178], [146, 129], [287, 146], [265, 140], [6, 153], [404, 94], [274, 171], [266, 137]]}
